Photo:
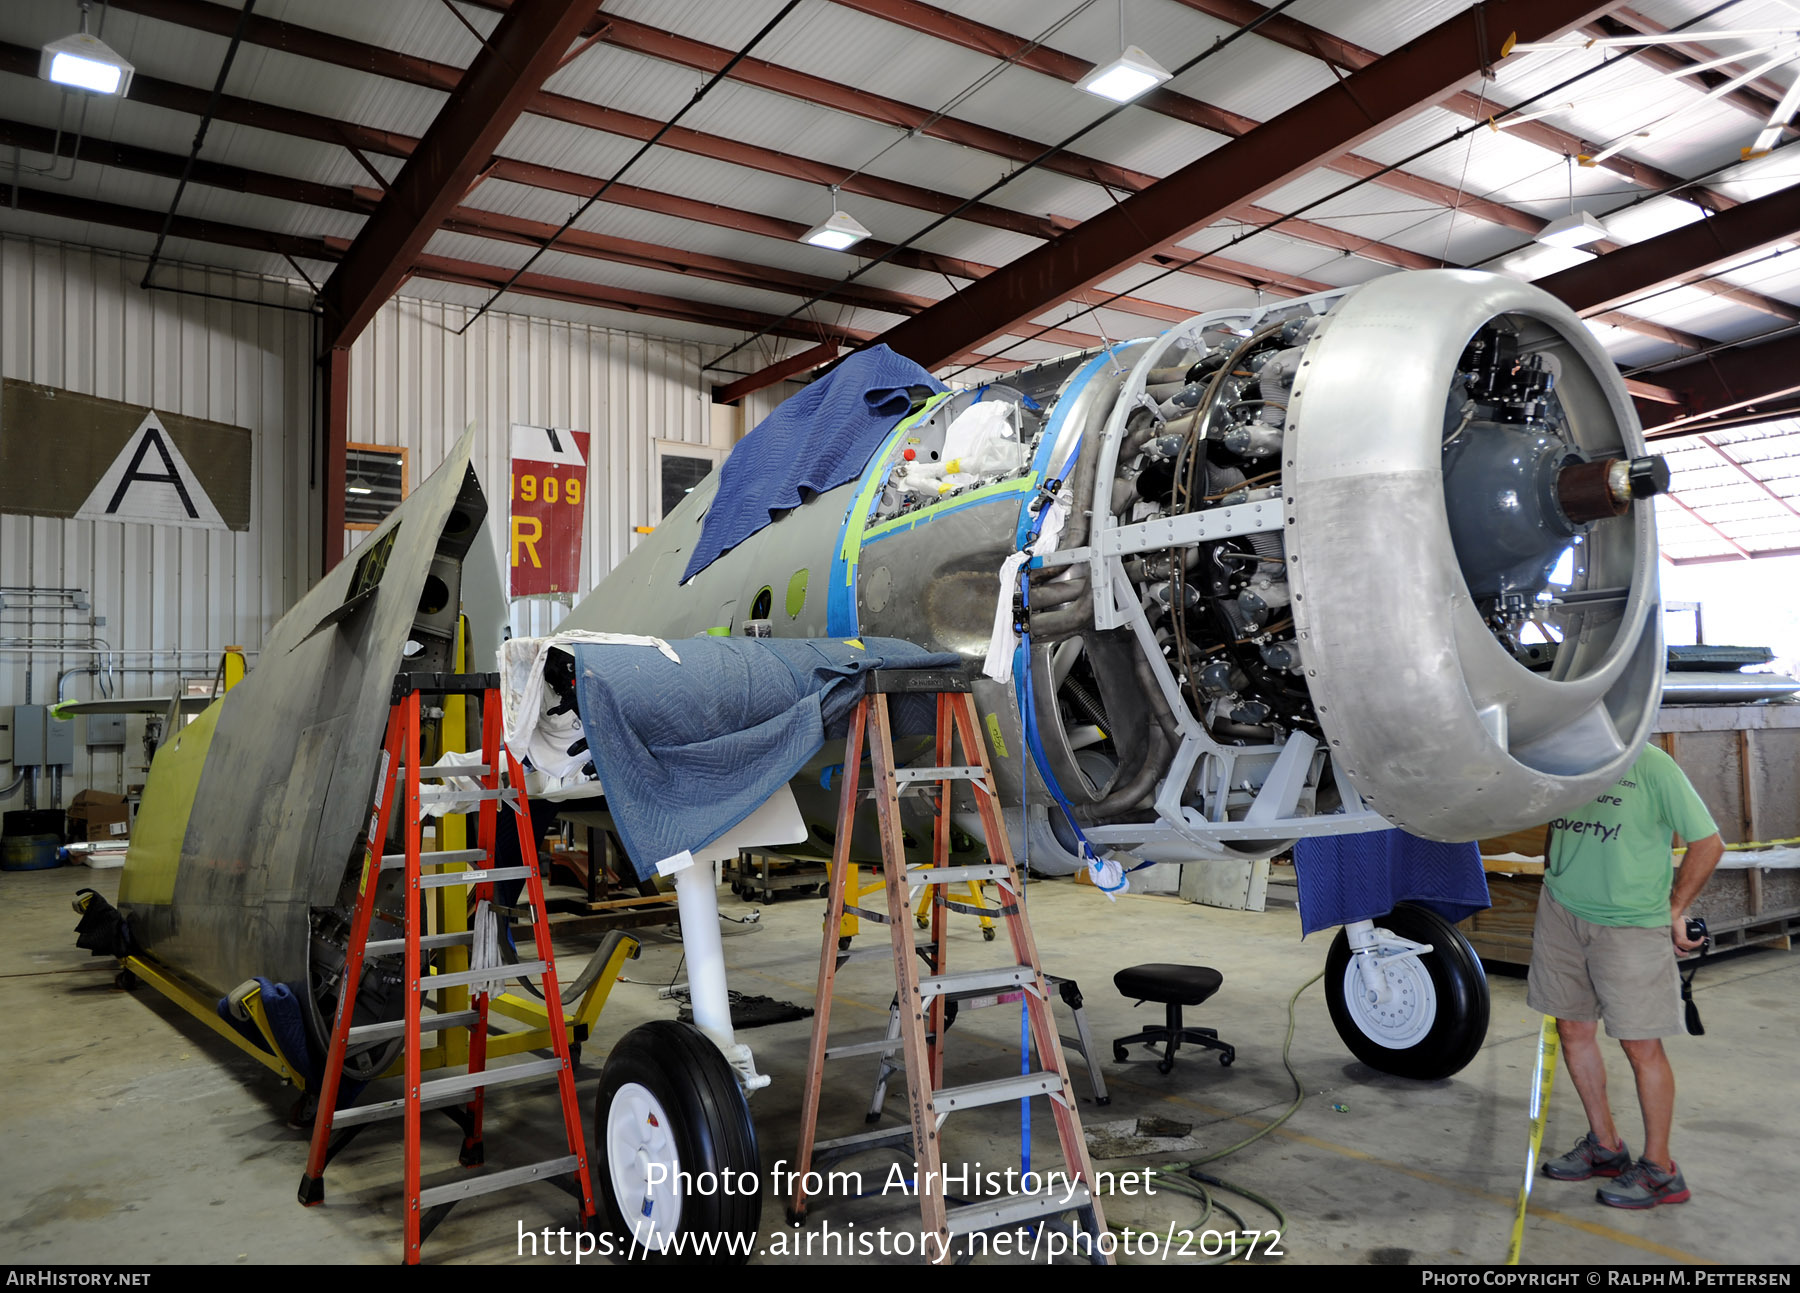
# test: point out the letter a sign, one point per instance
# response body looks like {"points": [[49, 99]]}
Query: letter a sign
{"points": [[150, 483]]}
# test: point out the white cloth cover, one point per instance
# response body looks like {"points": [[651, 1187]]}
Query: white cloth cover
{"points": [[982, 441], [541, 740], [1002, 642]]}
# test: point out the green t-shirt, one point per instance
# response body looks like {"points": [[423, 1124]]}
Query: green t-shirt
{"points": [[1609, 862]]}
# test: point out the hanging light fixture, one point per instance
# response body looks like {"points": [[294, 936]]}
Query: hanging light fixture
{"points": [[84, 62], [1577, 228], [1127, 76], [839, 232]]}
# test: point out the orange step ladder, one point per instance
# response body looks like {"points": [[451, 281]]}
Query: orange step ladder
{"points": [[462, 1096], [922, 997]]}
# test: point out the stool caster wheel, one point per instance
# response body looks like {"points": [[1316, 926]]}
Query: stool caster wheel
{"points": [[1118, 1055], [1166, 1065], [125, 980], [1226, 1058], [1102, 1101], [987, 935], [923, 922], [844, 944]]}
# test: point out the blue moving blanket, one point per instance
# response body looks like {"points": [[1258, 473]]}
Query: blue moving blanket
{"points": [[1344, 878], [687, 751], [812, 442]]}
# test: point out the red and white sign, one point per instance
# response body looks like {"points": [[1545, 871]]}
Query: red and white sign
{"points": [[549, 500]]}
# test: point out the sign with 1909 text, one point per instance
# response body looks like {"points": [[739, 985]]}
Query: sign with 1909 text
{"points": [[548, 496]]}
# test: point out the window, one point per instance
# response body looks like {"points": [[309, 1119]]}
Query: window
{"points": [[679, 468], [374, 484]]}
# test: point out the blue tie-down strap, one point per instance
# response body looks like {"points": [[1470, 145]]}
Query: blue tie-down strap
{"points": [[1345, 878], [687, 751], [282, 1007]]}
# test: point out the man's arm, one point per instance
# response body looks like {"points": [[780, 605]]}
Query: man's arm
{"points": [[1695, 870]]}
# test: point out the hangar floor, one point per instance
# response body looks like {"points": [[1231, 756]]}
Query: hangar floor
{"points": [[134, 1135]]}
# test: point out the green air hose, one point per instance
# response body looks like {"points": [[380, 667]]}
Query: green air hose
{"points": [[1187, 1178]]}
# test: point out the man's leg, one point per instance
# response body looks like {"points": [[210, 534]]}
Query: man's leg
{"points": [[1656, 1095], [1581, 1050]]}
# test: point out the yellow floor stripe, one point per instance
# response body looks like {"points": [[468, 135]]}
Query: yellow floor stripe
{"points": [[1474, 1191]]}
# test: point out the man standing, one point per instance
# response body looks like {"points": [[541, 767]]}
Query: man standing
{"points": [[1609, 921]]}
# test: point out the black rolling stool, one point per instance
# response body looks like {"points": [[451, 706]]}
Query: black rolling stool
{"points": [[1174, 986]]}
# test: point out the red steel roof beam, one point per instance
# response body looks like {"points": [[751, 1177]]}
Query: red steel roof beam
{"points": [[499, 85], [1324, 126], [1320, 44], [1623, 275]]}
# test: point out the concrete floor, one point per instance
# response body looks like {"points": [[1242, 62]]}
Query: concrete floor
{"points": [[133, 1135]]}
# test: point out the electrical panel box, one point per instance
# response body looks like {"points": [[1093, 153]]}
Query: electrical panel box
{"points": [[105, 729], [39, 740]]}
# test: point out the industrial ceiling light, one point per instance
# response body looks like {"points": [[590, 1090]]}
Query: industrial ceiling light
{"points": [[357, 485], [838, 233], [1577, 229], [1128, 75], [85, 62]]}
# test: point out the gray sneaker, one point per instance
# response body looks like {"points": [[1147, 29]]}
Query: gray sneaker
{"points": [[1589, 1158], [1644, 1185]]}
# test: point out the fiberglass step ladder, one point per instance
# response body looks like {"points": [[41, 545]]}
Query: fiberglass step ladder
{"points": [[922, 997], [461, 1096]]}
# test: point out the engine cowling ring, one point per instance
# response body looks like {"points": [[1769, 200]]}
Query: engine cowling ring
{"points": [[1435, 723]]}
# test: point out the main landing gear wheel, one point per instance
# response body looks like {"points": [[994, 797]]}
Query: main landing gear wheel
{"points": [[670, 1111], [1437, 1015]]}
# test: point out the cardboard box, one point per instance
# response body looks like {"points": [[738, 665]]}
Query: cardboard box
{"points": [[98, 815]]}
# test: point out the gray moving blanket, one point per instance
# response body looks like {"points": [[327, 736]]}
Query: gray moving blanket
{"points": [[687, 751]]}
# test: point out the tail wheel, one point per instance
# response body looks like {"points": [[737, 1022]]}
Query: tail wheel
{"points": [[670, 1114], [1436, 1014]]}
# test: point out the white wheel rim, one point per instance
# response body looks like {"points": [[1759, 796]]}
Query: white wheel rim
{"points": [[1406, 1016], [638, 1138]]}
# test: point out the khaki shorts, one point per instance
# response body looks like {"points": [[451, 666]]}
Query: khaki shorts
{"points": [[1624, 974]]}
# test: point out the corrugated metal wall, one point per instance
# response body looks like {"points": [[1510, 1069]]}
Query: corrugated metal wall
{"points": [[415, 383], [76, 318]]}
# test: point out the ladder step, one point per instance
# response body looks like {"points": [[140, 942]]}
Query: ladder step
{"points": [[1000, 976], [954, 1099], [879, 1046], [394, 861], [427, 1024], [469, 1187], [444, 879], [1018, 1209], [387, 946], [455, 770], [442, 1091], [958, 874], [462, 978], [961, 772], [429, 797], [847, 1145], [463, 1083]]}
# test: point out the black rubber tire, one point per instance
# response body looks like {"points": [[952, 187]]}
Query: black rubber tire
{"points": [[710, 1121], [1460, 1025]]}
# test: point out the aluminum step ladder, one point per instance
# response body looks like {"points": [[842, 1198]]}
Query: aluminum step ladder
{"points": [[463, 1095], [923, 996]]}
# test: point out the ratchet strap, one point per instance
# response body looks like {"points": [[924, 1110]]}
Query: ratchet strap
{"points": [[1543, 1077]]}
